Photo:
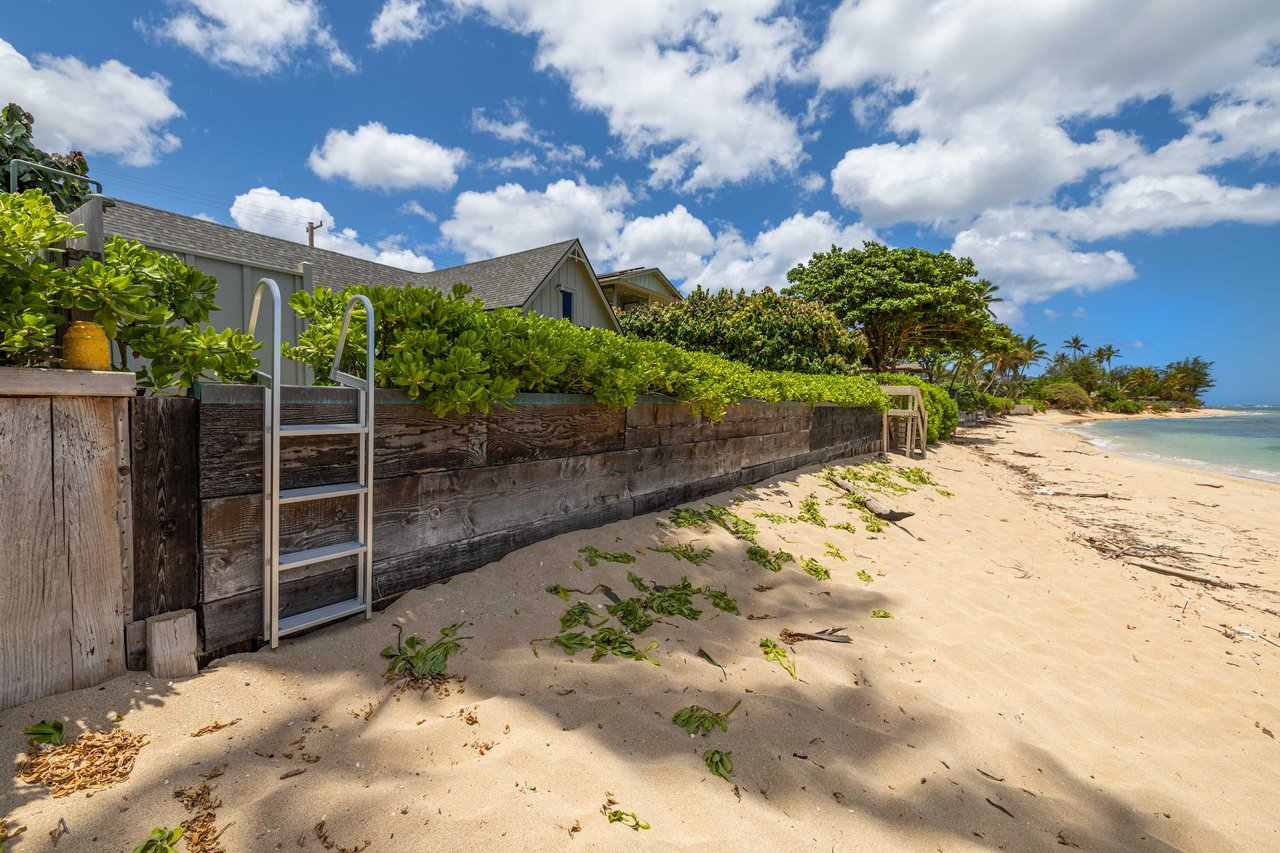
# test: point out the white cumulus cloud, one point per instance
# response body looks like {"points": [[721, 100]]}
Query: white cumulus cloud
{"points": [[517, 129], [687, 85], [1031, 266], [373, 157], [102, 109], [252, 36], [1024, 157], [676, 241], [764, 260], [511, 218], [268, 211], [400, 20]]}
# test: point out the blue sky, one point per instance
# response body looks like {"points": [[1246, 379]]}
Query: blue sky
{"points": [[1111, 165]]}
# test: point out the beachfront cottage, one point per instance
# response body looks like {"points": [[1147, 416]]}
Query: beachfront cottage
{"points": [[627, 289], [555, 280]]}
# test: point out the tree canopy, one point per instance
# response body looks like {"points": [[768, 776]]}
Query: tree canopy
{"points": [[16, 144], [905, 301], [764, 330]]}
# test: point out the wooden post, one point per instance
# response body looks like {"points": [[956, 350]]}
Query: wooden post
{"points": [[84, 487], [171, 644], [89, 217], [64, 530], [35, 609], [165, 505]]}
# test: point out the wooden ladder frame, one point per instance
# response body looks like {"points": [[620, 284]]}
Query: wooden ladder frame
{"points": [[915, 414]]}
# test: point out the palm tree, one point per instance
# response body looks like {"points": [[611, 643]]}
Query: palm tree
{"points": [[1075, 343], [1139, 378], [1036, 350], [1104, 354], [988, 295]]}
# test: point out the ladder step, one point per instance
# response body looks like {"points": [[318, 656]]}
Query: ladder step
{"points": [[322, 429], [319, 555], [315, 493], [319, 616]]}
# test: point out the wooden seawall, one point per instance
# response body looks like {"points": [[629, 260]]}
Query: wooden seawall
{"points": [[451, 493]]}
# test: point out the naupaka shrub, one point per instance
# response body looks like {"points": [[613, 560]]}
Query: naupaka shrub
{"points": [[448, 352]]}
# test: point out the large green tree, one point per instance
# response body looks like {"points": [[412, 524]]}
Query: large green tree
{"points": [[765, 330], [907, 302], [1186, 379]]}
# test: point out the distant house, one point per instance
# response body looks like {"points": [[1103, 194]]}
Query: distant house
{"points": [[555, 281], [627, 289]]}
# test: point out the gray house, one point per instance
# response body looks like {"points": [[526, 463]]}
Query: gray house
{"points": [[555, 280]]}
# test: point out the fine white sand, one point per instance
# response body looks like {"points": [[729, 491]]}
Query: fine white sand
{"points": [[1028, 693]]}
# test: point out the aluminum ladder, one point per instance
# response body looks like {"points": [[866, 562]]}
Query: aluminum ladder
{"points": [[274, 564]]}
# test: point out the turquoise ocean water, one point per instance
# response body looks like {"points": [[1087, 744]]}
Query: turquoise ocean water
{"points": [[1246, 444]]}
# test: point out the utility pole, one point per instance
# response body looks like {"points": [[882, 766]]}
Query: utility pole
{"points": [[312, 228]]}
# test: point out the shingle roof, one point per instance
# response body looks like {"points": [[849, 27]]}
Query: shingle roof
{"points": [[502, 282], [163, 229]]}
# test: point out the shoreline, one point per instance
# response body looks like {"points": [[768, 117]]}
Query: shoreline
{"points": [[1073, 424], [1028, 666], [1092, 417]]}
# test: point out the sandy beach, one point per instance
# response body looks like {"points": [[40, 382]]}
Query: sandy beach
{"points": [[1032, 690]]}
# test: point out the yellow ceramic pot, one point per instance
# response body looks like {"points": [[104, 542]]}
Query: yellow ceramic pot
{"points": [[85, 347]]}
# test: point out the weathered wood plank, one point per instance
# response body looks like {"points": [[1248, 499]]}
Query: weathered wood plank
{"points": [[48, 382], [238, 618], [84, 481], [165, 506], [233, 620], [655, 425], [35, 609], [172, 644], [231, 534], [544, 432], [231, 448], [124, 500], [410, 513], [408, 440]]}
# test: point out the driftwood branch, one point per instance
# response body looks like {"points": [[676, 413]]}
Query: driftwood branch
{"points": [[873, 504], [1179, 573], [831, 635], [1052, 493]]}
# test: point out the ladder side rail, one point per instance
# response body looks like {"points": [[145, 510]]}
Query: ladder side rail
{"points": [[270, 463], [368, 439], [366, 387]]}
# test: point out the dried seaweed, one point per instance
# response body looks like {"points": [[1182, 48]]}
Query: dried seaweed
{"points": [[200, 830], [215, 726], [91, 761]]}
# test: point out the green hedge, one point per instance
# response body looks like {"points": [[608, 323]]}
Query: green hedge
{"points": [[944, 414], [998, 405], [764, 330], [448, 352], [1064, 395]]}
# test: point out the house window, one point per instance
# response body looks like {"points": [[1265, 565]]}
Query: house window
{"points": [[566, 305]]}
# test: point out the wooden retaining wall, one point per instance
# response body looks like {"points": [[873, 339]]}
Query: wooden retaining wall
{"points": [[454, 493], [65, 529]]}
